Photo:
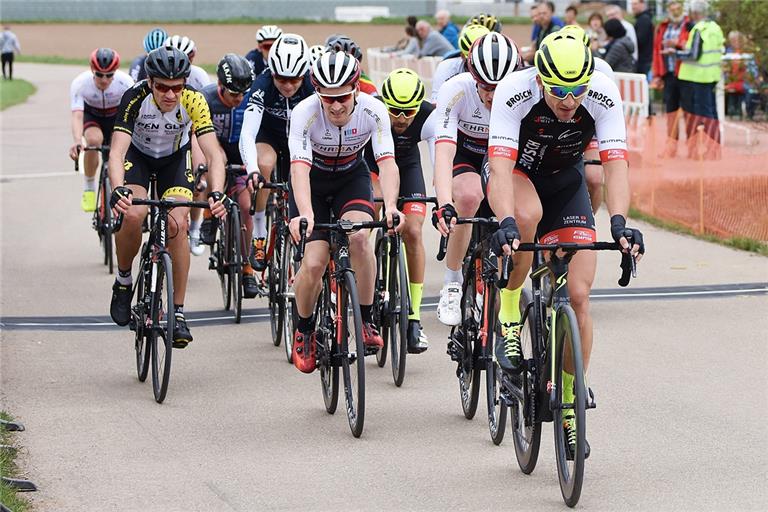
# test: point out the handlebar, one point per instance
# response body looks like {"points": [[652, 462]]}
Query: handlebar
{"points": [[409, 199], [262, 185], [103, 148], [166, 204], [492, 222], [340, 226]]}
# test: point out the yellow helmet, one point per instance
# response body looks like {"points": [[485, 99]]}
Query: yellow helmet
{"points": [[403, 89], [563, 59], [577, 31], [468, 35], [489, 21]]}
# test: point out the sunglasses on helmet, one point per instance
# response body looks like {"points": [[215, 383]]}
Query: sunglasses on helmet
{"points": [[562, 91], [405, 112], [330, 99], [163, 88], [99, 74]]}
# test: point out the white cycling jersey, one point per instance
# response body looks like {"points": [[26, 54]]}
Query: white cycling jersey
{"points": [[198, 77], [605, 68], [84, 95], [446, 70], [315, 141], [461, 117]]}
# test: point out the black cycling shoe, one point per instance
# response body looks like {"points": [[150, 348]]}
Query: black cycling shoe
{"points": [[250, 286], [417, 342], [120, 307], [181, 335], [208, 231], [258, 256], [569, 432], [508, 350]]}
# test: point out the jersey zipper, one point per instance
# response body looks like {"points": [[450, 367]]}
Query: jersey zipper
{"points": [[338, 153]]}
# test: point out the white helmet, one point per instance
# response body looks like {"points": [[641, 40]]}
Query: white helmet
{"points": [[182, 43], [335, 69], [315, 52], [492, 57], [289, 56], [268, 33]]}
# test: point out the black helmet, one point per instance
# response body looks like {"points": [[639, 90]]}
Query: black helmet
{"points": [[235, 72], [167, 62], [342, 43]]}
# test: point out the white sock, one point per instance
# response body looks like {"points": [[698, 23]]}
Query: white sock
{"points": [[124, 278], [194, 225], [89, 184], [453, 276], [260, 224]]}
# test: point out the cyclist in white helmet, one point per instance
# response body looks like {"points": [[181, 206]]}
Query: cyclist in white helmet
{"points": [[265, 38], [198, 77], [315, 52]]}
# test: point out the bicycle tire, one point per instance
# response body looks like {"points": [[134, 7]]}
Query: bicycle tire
{"points": [[497, 408], [236, 262], [352, 360], [218, 253], [328, 355], [379, 302], [570, 473], [526, 427], [286, 301], [273, 286], [398, 321], [106, 227], [141, 343], [468, 372], [162, 336]]}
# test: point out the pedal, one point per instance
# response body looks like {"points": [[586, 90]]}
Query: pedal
{"points": [[591, 399], [371, 351], [212, 263]]}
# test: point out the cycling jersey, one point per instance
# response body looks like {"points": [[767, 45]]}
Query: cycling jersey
{"points": [[366, 85], [137, 70], [267, 114], [316, 142], [257, 61], [407, 143], [462, 118], [526, 130], [85, 96], [158, 134], [198, 77], [227, 122], [446, 70]]}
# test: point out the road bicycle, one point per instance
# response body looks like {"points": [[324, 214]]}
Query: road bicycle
{"points": [[102, 216]]}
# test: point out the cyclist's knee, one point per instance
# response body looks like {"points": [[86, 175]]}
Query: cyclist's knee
{"points": [[134, 217], [179, 225], [313, 267], [412, 232], [93, 136], [359, 243], [468, 200], [579, 294], [594, 175]]}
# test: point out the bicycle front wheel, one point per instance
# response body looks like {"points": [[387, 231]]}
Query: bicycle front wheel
{"points": [[497, 406], [163, 323], [107, 238], [138, 318], [328, 354], [352, 351], [235, 267], [398, 316], [286, 316], [380, 302], [570, 457], [277, 240], [464, 339]]}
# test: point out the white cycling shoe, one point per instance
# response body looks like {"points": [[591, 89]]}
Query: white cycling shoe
{"points": [[196, 247], [449, 307]]}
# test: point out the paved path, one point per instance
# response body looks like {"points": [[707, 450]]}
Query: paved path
{"points": [[680, 384]]}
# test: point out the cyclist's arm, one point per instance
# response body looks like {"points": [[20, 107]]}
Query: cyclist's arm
{"points": [[389, 177], [446, 125], [251, 124], [384, 153], [118, 147], [617, 187], [77, 105], [428, 135], [301, 190], [445, 151], [77, 126], [214, 156], [300, 147]]}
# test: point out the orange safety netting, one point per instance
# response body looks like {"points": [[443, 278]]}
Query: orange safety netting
{"points": [[718, 188]]}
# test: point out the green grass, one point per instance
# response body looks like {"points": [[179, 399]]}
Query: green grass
{"points": [[9, 497], [52, 59], [13, 92], [736, 242]]}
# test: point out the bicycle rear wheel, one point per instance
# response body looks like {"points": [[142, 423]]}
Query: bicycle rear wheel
{"points": [[105, 227], [286, 298], [497, 407], [235, 262], [352, 352], [380, 302], [398, 316], [570, 469], [328, 350], [138, 317], [277, 241], [163, 323], [465, 343], [219, 255], [525, 424]]}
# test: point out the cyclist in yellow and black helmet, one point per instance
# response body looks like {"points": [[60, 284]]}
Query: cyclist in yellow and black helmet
{"points": [[412, 120], [487, 20], [452, 66]]}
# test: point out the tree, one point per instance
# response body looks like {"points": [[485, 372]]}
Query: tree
{"points": [[750, 17]]}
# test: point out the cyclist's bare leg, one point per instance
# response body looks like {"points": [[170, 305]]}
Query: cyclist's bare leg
{"points": [[267, 158], [128, 239], [93, 137], [528, 213], [246, 221], [376, 193], [361, 254], [414, 246], [309, 278], [594, 175], [467, 196], [581, 275], [178, 246]]}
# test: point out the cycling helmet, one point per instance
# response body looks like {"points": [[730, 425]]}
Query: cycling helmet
{"points": [[577, 31], [154, 39], [182, 43], [315, 52], [289, 56], [403, 89], [268, 33], [105, 60], [342, 43], [492, 57], [489, 21], [335, 69], [563, 59], [469, 35], [167, 62], [235, 72]]}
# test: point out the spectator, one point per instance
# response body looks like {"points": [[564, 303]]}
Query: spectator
{"points": [[615, 12], [596, 31], [644, 32], [671, 33], [409, 45], [9, 44], [447, 28], [741, 77], [570, 15], [618, 51], [412, 20], [547, 22], [699, 73], [433, 44]]}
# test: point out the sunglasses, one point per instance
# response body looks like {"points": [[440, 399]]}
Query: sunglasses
{"points": [[405, 112], [165, 88], [99, 74], [265, 46], [233, 93], [562, 91], [341, 98], [288, 79], [486, 87]]}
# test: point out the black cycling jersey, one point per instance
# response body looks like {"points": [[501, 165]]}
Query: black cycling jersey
{"points": [[227, 122], [407, 143], [137, 70], [276, 108], [257, 61]]}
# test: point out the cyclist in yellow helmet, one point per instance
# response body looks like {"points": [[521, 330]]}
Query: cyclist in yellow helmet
{"points": [[488, 21], [452, 66]]}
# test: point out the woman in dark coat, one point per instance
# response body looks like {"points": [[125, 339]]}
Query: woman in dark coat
{"points": [[618, 51]]}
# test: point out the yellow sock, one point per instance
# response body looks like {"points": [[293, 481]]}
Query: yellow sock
{"points": [[509, 313], [567, 393], [416, 289]]}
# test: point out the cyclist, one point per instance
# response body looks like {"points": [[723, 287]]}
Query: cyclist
{"points": [[342, 43], [227, 101], [275, 93], [328, 132], [315, 52], [542, 121], [452, 66], [94, 98], [198, 77], [413, 120], [461, 143], [152, 136], [154, 39], [488, 21], [265, 38]]}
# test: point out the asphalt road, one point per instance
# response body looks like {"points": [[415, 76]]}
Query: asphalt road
{"points": [[680, 382]]}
